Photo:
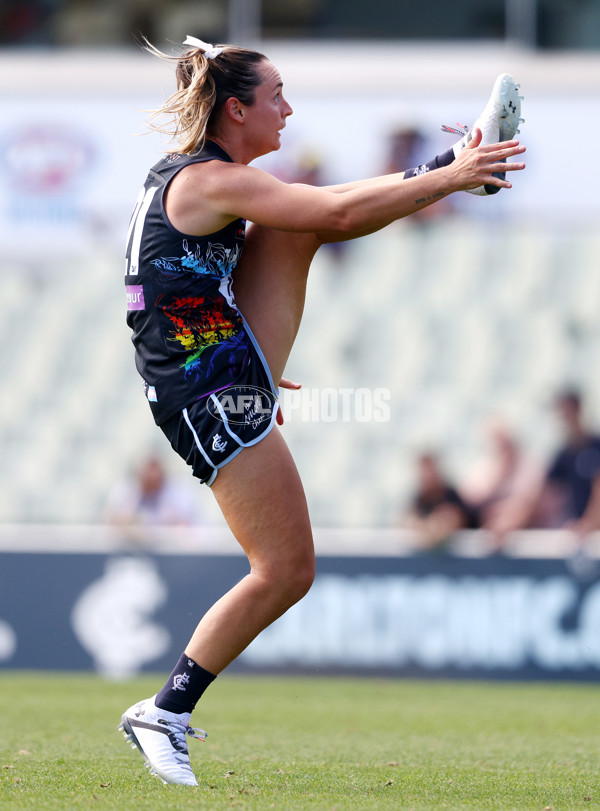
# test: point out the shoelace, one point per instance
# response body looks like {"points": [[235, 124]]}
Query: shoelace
{"points": [[178, 733], [458, 129], [196, 732], [462, 129]]}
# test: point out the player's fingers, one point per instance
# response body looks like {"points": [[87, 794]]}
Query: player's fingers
{"points": [[289, 384], [505, 148], [497, 181], [475, 139], [509, 152], [506, 167]]}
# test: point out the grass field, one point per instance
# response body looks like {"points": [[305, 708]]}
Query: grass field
{"points": [[308, 743]]}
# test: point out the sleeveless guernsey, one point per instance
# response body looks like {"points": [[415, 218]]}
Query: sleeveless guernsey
{"points": [[191, 341]]}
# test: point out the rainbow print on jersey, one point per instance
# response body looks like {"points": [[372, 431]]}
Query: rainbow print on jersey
{"points": [[201, 322]]}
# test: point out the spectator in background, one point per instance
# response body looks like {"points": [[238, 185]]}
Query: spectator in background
{"points": [[437, 509], [151, 498], [502, 488], [570, 493]]}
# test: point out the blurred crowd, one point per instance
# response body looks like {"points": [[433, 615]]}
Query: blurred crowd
{"points": [[506, 491], [509, 490]]}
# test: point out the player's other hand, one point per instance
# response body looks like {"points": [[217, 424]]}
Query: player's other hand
{"points": [[284, 383]]}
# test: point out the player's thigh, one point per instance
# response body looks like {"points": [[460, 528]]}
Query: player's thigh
{"points": [[262, 499], [270, 288]]}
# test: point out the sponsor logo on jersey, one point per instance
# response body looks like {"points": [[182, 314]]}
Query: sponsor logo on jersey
{"points": [[135, 297]]}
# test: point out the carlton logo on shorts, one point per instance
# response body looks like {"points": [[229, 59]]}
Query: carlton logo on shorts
{"points": [[243, 405]]}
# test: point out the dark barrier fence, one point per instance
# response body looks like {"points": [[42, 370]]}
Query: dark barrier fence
{"points": [[472, 617]]}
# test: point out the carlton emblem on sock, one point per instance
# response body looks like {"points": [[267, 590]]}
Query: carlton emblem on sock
{"points": [[180, 681]]}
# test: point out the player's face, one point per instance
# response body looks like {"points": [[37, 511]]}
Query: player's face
{"points": [[267, 116]]}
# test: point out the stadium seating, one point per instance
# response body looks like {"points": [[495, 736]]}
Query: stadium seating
{"points": [[458, 320]]}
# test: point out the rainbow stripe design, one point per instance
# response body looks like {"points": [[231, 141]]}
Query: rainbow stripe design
{"points": [[199, 323]]}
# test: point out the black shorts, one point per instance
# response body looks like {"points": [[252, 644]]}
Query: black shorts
{"points": [[213, 430]]}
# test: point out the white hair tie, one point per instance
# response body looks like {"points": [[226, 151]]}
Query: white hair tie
{"points": [[209, 50]]}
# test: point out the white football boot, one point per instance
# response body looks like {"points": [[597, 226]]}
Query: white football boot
{"points": [[498, 122], [161, 738]]}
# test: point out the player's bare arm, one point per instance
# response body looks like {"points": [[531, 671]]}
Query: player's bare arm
{"points": [[383, 180], [204, 198]]}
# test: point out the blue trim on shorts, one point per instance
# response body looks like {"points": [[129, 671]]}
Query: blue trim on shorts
{"points": [[239, 449], [274, 389]]}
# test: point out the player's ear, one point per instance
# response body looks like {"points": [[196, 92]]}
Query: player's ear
{"points": [[234, 109]]}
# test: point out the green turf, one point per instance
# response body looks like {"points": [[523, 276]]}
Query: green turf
{"points": [[308, 743]]}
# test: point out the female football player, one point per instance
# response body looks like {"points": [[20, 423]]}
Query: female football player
{"points": [[215, 307]]}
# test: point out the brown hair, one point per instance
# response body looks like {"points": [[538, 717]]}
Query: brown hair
{"points": [[203, 87]]}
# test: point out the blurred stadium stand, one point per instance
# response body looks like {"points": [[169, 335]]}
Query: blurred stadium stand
{"points": [[460, 317], [452, 329], [553, 24], [487, 308]]}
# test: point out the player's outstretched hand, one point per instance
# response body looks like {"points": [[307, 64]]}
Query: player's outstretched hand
{"points": [[477, 164]]}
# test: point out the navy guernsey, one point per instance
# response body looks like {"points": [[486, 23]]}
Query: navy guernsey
{"points": [[190, 338]]}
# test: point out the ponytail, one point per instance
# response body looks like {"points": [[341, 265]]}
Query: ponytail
{"points": [[203, 86]]}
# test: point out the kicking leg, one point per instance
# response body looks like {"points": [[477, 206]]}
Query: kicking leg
{"points": [[270, 287]]}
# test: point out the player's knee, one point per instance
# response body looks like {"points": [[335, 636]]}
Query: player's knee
{"points": [[292, 577], [306, 246], [301, 579]]}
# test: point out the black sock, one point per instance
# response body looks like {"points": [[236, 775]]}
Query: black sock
{"points": [[440, 160], [184, 686]]}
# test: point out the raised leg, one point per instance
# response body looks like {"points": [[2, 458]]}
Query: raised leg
{"points": [[270, 287]]}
